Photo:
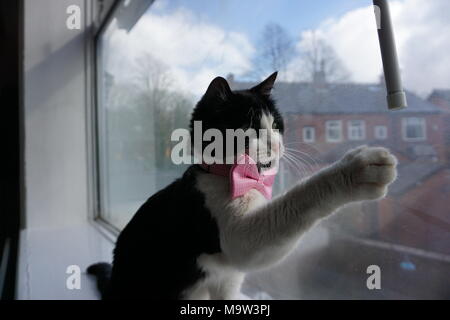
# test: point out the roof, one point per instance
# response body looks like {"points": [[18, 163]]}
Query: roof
{"points": [[342, 98], [412, 174], [443, 94]]}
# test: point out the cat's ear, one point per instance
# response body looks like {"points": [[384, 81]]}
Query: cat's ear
{"points": [[218, 88], [265, 87]]}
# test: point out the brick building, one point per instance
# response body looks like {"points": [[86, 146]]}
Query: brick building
{"points": [[337, 116], [325, 120]]}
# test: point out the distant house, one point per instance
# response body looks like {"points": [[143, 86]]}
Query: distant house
{"points": [[441, 98], [331, 116], [357, 113]]}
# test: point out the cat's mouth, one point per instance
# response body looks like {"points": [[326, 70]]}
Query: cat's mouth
{"points": [[262, 166], [265, 165]]}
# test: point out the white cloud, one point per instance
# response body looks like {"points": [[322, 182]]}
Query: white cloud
{"points": [[194, 51], [423, 43]]}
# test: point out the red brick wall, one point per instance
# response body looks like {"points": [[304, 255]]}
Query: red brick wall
{"points": [[420, 218], [434, 126], [444, 104]]}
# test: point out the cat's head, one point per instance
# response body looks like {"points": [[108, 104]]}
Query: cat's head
{"points": [[221, 108]]}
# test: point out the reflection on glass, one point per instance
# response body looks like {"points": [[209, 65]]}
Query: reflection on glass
{"points": [[330, 90]]}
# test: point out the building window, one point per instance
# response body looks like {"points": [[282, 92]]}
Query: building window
{"points": [[334, 131], [356, 130], [380, 132], [309, 134], [414, 129]]}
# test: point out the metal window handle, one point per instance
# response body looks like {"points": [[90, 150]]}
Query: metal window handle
{"points": [[396, 98]]}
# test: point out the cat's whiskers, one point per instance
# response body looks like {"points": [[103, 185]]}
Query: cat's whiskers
{"points": [[315, 162], [309, 167], [298, 157], [296, 169], [306, 148], [297, 164], [292, 165]]}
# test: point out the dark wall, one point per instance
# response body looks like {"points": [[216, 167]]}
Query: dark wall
{"points": [[10, 133]]}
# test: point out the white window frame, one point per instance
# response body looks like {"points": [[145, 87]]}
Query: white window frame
{"points": [[327, 128], [350, 130], [377, 134], [421, 121], [312, 131]]}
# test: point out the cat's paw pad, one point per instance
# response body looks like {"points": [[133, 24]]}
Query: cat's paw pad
{"points": [[371, 169]]}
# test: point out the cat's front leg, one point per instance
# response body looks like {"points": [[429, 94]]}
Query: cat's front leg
{"points": [[268, 234]]}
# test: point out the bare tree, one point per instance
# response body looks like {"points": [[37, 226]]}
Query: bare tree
{"points": [[318, 58], [276, 49], [153, 77], [163, 107]]}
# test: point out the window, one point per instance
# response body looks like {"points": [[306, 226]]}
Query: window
{"points": [[334, 130], [356, 130], [414, 129], [152, 72], [309, 134], [140, 103], [380, 132]]}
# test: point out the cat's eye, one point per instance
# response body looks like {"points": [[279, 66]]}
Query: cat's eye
{"points": [[274, 125]]}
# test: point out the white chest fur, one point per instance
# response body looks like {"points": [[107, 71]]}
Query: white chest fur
{"points": [[223, 281]]}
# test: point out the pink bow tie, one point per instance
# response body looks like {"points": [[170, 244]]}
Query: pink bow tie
{"points": [[244, 176]]}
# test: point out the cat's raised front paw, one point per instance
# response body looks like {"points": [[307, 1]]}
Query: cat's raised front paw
{"points": [[368, 172]]}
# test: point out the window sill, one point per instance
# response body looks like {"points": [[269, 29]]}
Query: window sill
{"points": [[45, 254]]}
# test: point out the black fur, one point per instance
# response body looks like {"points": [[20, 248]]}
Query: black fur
{"points": [[102, 271], [222, 109], [155, 255]]}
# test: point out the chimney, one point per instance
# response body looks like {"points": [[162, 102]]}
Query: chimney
{"points": [[319, 77]]}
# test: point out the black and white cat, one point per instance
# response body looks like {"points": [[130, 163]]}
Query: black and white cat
{"points": [[191, 240]]}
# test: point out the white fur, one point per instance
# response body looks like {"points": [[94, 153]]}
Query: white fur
{"points": [[255, 233], [276, 139]]}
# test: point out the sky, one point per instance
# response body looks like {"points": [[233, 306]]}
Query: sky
{"points": [[249, 16], [198, 39]]}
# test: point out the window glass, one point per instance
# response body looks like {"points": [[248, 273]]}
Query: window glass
{"points": [[414, 129], [380, 132], [332, 94], [334, 130], [309, 134], [356, 130], [141, 101]]}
